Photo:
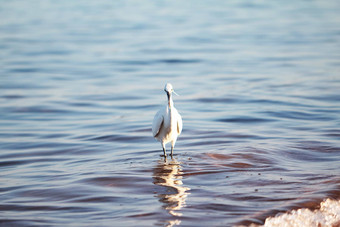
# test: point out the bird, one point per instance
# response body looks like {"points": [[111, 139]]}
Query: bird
{"points": [[167, 124]]}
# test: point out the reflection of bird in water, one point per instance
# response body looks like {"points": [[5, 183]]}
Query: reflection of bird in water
{"points": [[167, 123], [167, 174]]}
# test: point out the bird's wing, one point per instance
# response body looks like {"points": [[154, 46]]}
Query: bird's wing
{"points": [[179, 123], [157, 123]]}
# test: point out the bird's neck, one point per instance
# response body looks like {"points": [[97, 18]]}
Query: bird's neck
{"points": [[170, 102]]}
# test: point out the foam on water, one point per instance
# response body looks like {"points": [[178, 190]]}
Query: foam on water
{"points": [[327, 215]]}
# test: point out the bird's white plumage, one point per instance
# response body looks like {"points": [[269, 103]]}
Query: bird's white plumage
{"points": [[167, 123], [157, 122]]}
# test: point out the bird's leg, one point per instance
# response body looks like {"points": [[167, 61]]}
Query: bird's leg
{"points": [[172, 147], [164, 150]]}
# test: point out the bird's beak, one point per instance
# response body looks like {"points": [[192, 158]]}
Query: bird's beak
{"points": [[175, 93]]}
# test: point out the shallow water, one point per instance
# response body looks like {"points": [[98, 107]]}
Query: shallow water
{"points": [[80, 83]]}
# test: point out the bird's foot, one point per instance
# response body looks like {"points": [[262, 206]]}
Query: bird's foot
{"points": [[165, 157]]}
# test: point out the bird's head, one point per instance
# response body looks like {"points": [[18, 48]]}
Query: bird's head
{"points": [[169, 89]]}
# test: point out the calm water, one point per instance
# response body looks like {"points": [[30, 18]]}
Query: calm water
{"points": [[80, 83]]}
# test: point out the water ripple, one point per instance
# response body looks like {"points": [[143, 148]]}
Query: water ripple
{"points": [[80, 84]]}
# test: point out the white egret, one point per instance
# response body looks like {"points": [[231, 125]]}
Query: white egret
{"points": [[167, 123]]}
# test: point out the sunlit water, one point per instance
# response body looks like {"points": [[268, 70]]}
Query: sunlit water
{"points": [[80, 82]]}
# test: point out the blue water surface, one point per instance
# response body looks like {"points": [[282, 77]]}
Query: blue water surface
{"points": [[80, 82]]}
